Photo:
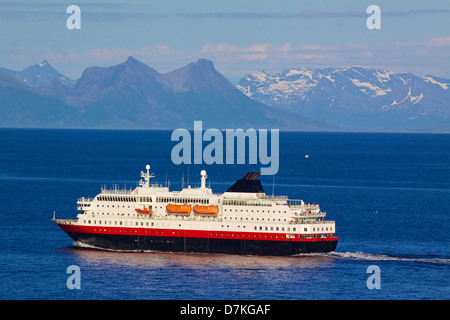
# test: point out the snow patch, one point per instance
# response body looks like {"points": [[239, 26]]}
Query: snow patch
{"points": [[281, 86], [382, 92], [245, 90], [293, 72], [305, 72], [412, 99], [417, 99], [404, 81], [261, 76], [329, 78], [378, 91], [383, 77], [431, 80]]}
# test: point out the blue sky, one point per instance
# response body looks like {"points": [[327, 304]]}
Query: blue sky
{"points": [[238, 36]]}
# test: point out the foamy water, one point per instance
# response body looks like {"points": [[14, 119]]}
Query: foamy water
{"points": [[383, 257]]}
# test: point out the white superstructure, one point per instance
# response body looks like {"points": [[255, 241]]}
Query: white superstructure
{"points": [[238, 212]]}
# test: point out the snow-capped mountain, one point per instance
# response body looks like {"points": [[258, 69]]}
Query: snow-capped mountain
{"points": [[39, 74], [356, 97], [134, 95]]}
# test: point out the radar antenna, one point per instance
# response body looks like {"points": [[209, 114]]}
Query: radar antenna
{"points": [[146, 176]]}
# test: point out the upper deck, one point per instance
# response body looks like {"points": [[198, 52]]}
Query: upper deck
{"points": [[240, 203]]}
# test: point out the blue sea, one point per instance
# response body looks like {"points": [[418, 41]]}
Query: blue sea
{"points": [[388, 193]]}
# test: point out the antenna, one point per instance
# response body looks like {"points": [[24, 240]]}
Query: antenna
{"points": [[146, 176], [273, 186]]}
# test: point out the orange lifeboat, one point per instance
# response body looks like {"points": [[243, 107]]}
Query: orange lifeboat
{"points": [[206, 210], [144, 211], [180, 209]]}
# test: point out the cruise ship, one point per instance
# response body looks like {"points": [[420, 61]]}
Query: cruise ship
{"points": [[242, 220]]}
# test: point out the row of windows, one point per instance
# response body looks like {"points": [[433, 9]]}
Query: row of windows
{"points": [[111, 206], [110, 222], [250, 236], [293, 229], [181, 200], [304, 236], [322, 229], [257, 219], [149, 199], [135, 231], [125, 223], [119, 198], [263, 211], [245, 203], [112, 213], [277, 229], [124, 198]]}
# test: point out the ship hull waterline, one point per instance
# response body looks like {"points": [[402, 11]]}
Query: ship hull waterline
{"points": [[182, 243]]}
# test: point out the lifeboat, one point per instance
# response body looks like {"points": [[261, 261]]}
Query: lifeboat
{"points": [[144, 211], [206, 210], [180, 209]]}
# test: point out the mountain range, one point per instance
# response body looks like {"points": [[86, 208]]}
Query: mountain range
{"points": [[132, 95], [356, 97], [38, 75]]}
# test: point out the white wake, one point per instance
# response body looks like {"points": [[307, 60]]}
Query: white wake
{"points": [[361, 256]]}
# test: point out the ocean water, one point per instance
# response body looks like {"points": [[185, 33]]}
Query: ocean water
{"points": [[388, 193]]}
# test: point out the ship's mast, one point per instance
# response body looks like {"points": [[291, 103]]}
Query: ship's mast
{"points": [[146, 176]]}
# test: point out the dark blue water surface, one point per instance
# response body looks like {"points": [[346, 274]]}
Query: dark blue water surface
{"points": [[388, 193]]}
